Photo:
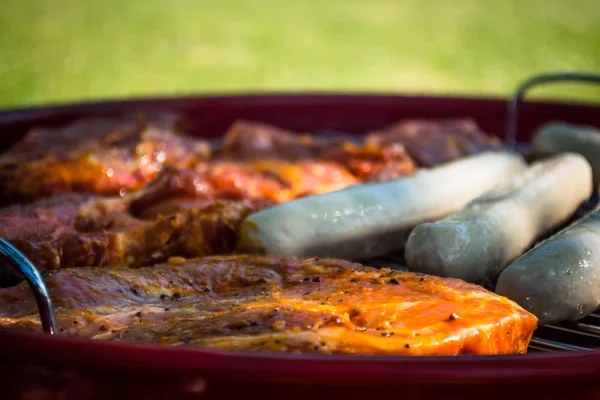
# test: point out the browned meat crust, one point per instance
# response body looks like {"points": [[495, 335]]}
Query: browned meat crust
{"points": [[182, 212], [107, 156], [80, 231], [278, 304], [247, 141], [434, 142]]}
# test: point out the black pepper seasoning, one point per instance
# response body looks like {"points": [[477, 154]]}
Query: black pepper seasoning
{"points": [[453, 317]]}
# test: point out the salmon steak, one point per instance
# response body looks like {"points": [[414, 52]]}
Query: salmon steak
{"points": [[277, 304]]}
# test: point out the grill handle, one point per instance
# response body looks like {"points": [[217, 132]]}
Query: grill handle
{"points": [[555, 77], [36, 283]]}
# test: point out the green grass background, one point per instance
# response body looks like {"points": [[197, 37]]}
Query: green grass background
{"points": [[67, 50]]}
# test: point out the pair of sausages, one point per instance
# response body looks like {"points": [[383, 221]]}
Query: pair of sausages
{"points": [[476, 243], [559, 279], [369, 220]]}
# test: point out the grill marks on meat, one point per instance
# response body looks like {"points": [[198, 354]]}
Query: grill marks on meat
{"points": [[98, 155], [278, 304], [434, 142]]}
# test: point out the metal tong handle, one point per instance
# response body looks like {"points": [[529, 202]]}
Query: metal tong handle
{"points": [[36, 283], [513, 105]]}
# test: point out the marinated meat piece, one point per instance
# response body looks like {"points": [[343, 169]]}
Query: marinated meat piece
{"points": [[278, 304], [246, 140], [80, 231], [39, 229], [372, 163], [181, 213], [171, 191], [280, 180], [270, 180], [199, 232], [434, 142], [98, 155]]}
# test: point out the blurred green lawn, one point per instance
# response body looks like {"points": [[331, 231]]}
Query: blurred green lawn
{"points": [[64, 50]]}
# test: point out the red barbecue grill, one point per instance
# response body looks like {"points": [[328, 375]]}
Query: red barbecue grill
{"points": [[563, 359]]}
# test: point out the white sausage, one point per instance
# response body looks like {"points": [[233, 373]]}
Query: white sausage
{"points": [[369, 220], [476, 243], [559, 279]]}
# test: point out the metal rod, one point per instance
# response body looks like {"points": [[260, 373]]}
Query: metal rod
{"points": [[36, 283], [588, 328], [540, 348], [513, 106], [573, 330], [551, 344]]}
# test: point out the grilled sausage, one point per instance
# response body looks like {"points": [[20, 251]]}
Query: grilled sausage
{"points": [[477, 242], [557, 138], [369, 220], [559, 279]]}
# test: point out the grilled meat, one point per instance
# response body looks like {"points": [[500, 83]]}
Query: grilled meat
{"points": [[279, 180], [248, 140], [278, 304], [182, 212], [431, 143], [372, 163], [251, 141], [105, 156], [85, 230]]}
